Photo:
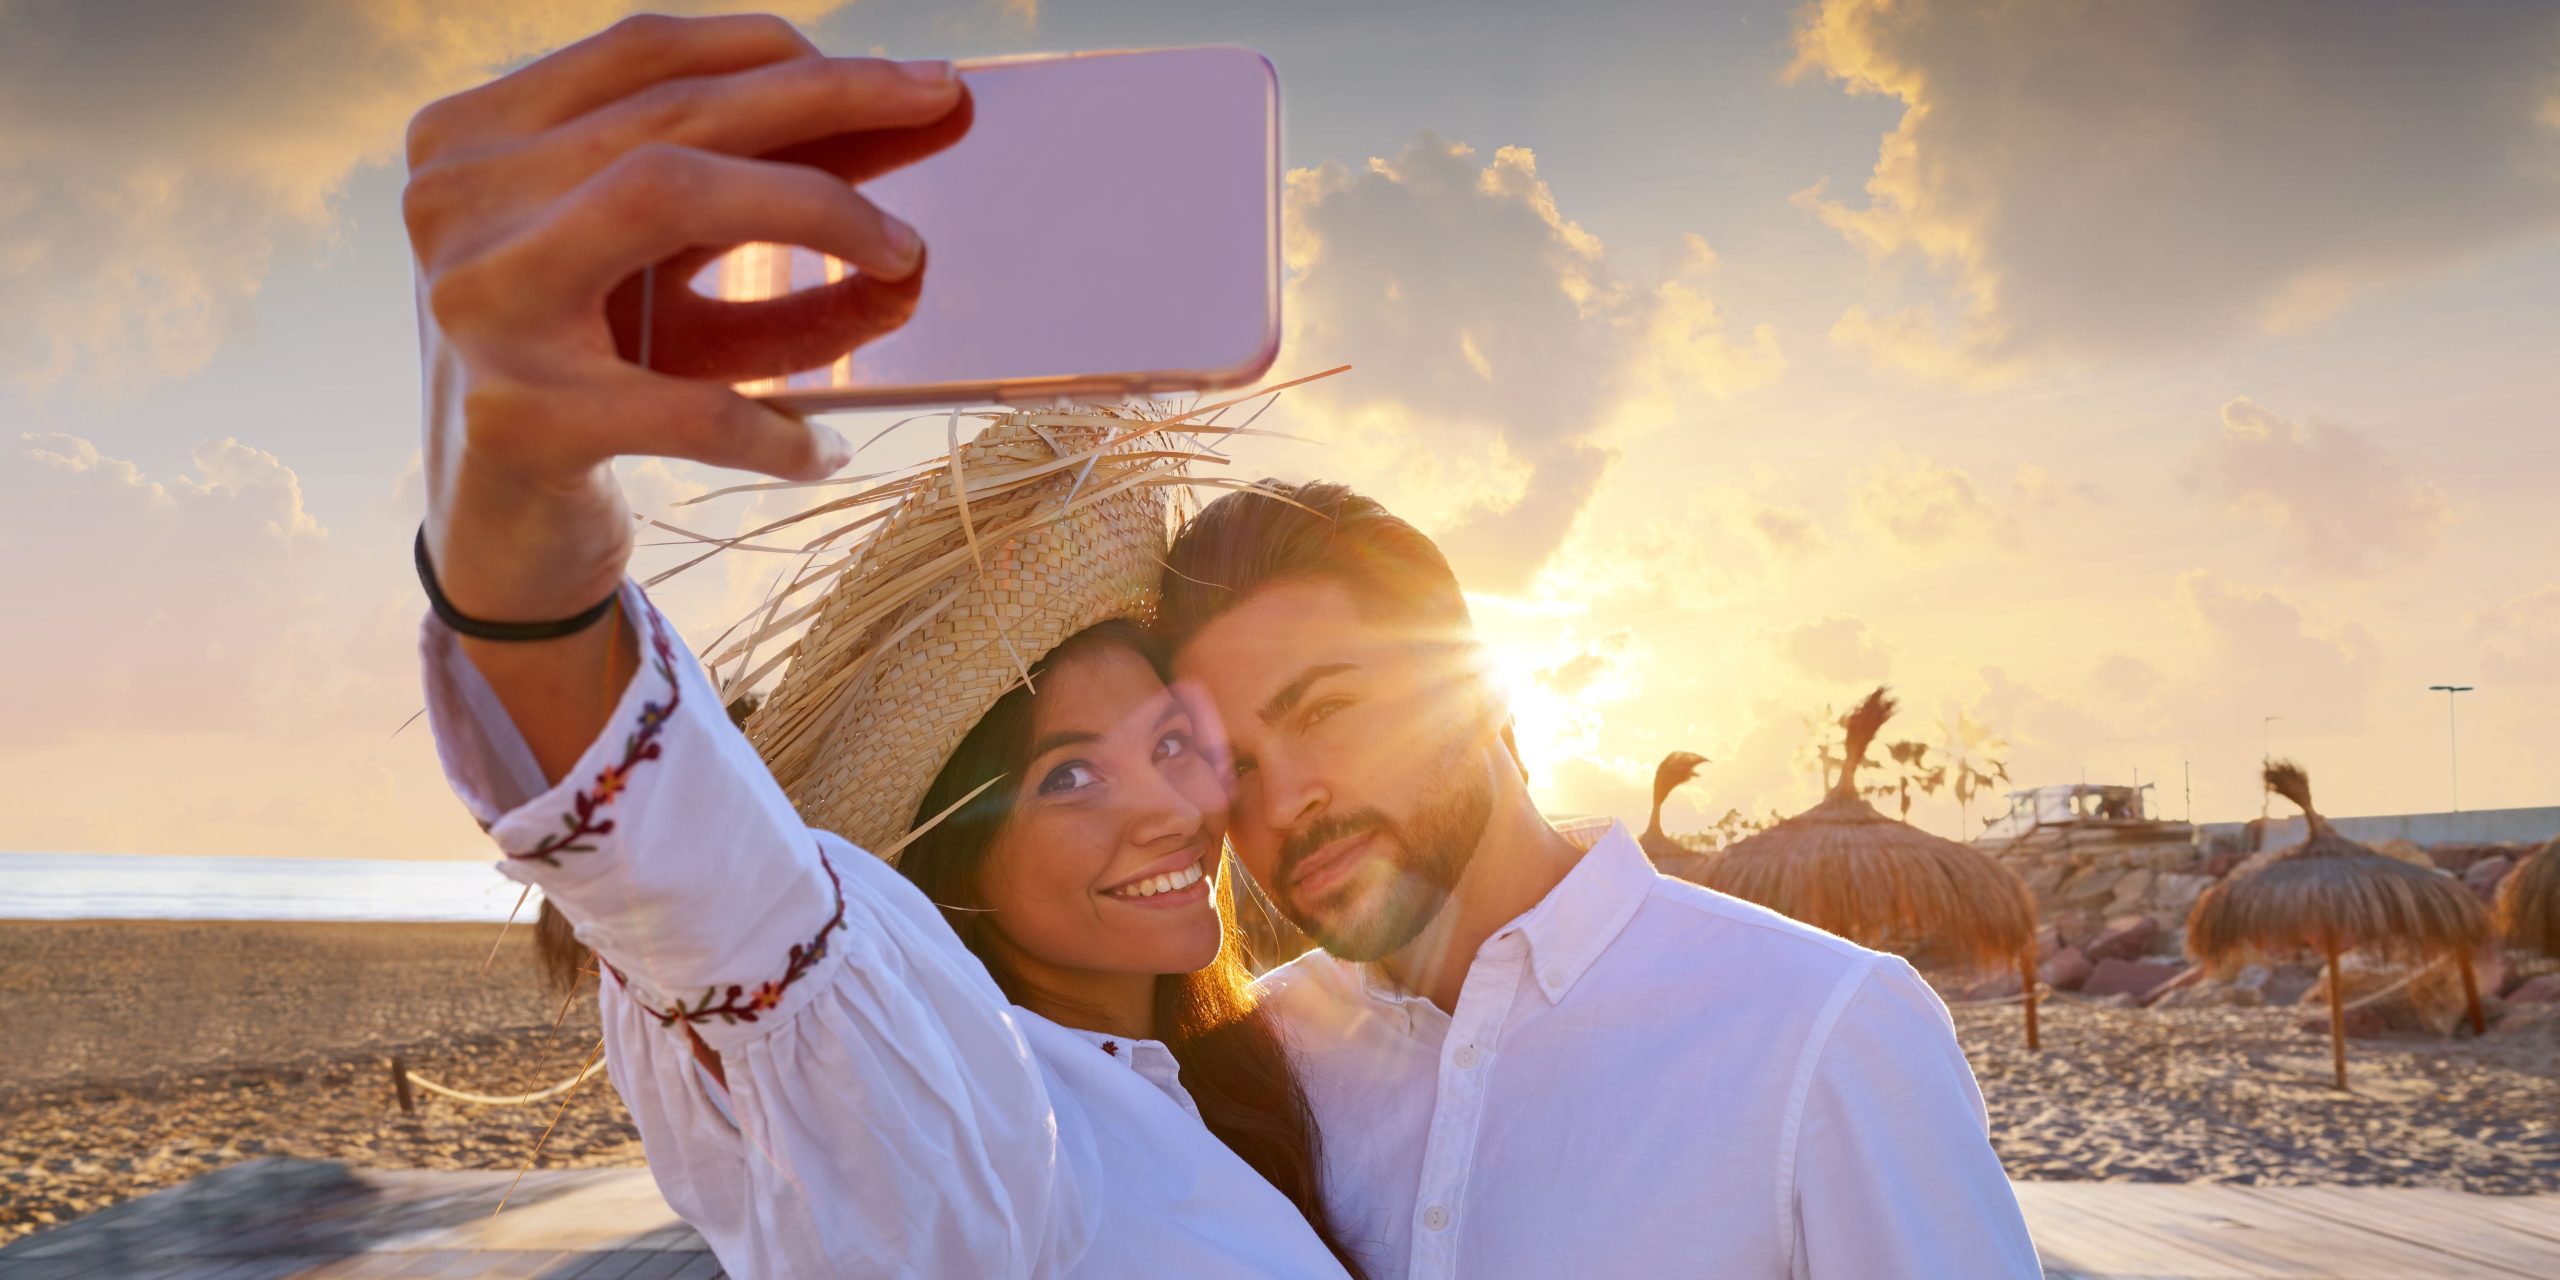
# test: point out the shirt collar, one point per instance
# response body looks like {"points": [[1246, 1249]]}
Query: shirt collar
{"points": [[1571, 926], [1585, 912]]}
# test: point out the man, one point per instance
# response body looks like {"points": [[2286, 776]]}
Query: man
{"points": [[1529, 1058]]}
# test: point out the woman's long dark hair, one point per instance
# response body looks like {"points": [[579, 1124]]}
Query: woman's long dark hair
{"points": [[1230, 1051]]}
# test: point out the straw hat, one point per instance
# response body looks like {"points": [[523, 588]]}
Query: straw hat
{"points": [[968, 571]]}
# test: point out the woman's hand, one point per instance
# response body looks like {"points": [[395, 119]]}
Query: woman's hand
{"points": [[534, 204]]}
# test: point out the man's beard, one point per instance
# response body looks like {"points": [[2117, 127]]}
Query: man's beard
{"points": [[1428, 852]]}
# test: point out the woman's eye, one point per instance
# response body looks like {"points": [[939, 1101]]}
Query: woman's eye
{"points": [[1173, 744], [1073, 776]]}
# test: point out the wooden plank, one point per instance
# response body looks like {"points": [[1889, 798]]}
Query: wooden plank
{"points": [[2220, 1232], [2422, 1222], [2534, 1217], [2077, 1232]]}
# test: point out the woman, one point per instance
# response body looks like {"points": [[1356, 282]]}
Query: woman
{"points": [[1029, 1049]]}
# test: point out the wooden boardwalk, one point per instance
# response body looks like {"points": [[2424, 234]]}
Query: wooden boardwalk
{"points": [[305, 1220]]}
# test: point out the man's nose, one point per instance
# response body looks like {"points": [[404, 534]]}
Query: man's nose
{"points": [[1291, 793]]}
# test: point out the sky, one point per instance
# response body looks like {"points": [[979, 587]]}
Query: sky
{"points": [[2143, 385]]}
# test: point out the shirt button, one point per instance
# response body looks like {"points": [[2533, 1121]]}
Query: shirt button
{"points": [[1555, 977], [1435, 1217], [1467, 1056]]}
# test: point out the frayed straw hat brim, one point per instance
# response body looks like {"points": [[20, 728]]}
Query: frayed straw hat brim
{"points": [[929, 593]]}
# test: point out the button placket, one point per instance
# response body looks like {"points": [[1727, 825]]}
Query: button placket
{"points": [[1457, 1115]]}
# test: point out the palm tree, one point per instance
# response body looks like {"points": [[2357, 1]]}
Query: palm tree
{"points": [[2330, 895], [1973, 753], [1844, 867]]}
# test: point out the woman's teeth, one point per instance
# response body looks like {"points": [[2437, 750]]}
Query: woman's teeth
{"points": [[1166, 883]]}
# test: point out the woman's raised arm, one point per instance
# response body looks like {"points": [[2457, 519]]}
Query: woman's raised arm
{"points": [[556, 210]]}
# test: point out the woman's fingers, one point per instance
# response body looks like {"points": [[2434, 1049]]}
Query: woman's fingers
{"points": [[612, 64], [754, 112], [860, 157], [697, 337], [660, 200], [704, 422]]}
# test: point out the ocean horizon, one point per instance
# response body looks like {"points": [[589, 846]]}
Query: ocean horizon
{"points": [[143, 886]]}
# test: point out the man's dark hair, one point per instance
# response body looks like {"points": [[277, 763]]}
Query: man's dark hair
{"points": [[1313, 532]]}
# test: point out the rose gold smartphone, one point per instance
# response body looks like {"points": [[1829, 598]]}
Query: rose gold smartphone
{"points": [[1109, 224]]}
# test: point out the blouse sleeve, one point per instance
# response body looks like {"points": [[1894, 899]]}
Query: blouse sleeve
{"points": [[889, 1117]]}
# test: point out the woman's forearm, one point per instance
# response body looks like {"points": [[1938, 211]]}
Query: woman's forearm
{"points": [[560, 692]]}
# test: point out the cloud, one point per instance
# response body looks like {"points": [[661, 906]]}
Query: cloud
{"points": [[1923, 505], [155, 159], [1838, 648], [2095, 178], [2266, 654], [123, 565], [1486, 322], [2338, 501], [2519, 639], [1786, 532], [2038, 486]]}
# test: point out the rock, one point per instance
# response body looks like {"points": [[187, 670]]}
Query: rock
{"points": [[2177, 893], [2542, 990], [2126, 938], [2457, 858], [2246, 989], [2483, 876], [2133, 891], [2075, 928], [1999, 986], [2429, 1001], [2287, 982], [2068, 969], [2221, 862], [2408, 851], [2048, 942], [2361, 1024], [2134, 978]]}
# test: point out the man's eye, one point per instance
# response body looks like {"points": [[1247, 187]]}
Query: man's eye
{"points": [[1325, 710], [1173, 744], [1072, 776]]}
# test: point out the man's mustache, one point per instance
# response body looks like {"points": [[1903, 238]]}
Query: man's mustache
{"points": [[1324, 831]]}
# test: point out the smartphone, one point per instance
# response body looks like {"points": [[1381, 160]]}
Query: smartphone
{"points": [[1108, 225]]}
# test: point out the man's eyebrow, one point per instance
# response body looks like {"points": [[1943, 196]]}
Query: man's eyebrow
{"points": [[1066, 738], [1292, 692]]}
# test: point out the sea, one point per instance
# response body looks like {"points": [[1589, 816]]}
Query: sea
{"points": [[133, 886]]}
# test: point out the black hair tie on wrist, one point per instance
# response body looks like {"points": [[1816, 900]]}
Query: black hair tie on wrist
{"points": [[467, 625]]}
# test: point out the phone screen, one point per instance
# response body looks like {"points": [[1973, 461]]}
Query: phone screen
{"points": [[1109, 224]]}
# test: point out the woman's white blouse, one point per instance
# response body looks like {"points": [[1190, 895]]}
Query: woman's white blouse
{"points": [[893, 1114]]}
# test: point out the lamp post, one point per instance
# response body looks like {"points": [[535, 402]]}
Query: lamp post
{"points": [[2452, 741]]}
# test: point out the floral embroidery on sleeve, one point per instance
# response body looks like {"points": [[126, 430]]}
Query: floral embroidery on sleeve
{"points": [[585, 816], [734, 1003]]}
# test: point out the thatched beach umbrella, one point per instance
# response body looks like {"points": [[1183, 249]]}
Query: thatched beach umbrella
{"points": [[2330, 895], [2529, 902], [1844, 867]]}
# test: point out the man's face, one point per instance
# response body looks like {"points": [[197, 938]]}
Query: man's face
{"points": [[1361, 758]]}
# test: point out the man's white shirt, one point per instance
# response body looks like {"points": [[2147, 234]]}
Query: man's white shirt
{"points": [[1645, 1078]]}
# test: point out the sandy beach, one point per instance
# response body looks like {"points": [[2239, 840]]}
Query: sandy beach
{"points": [[142, 1054]]}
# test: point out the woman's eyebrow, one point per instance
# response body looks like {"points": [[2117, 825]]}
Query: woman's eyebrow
{"points": [[1063, 738]]}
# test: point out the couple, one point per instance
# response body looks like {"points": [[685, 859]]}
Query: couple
{"points": [[1028, 1047]]}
